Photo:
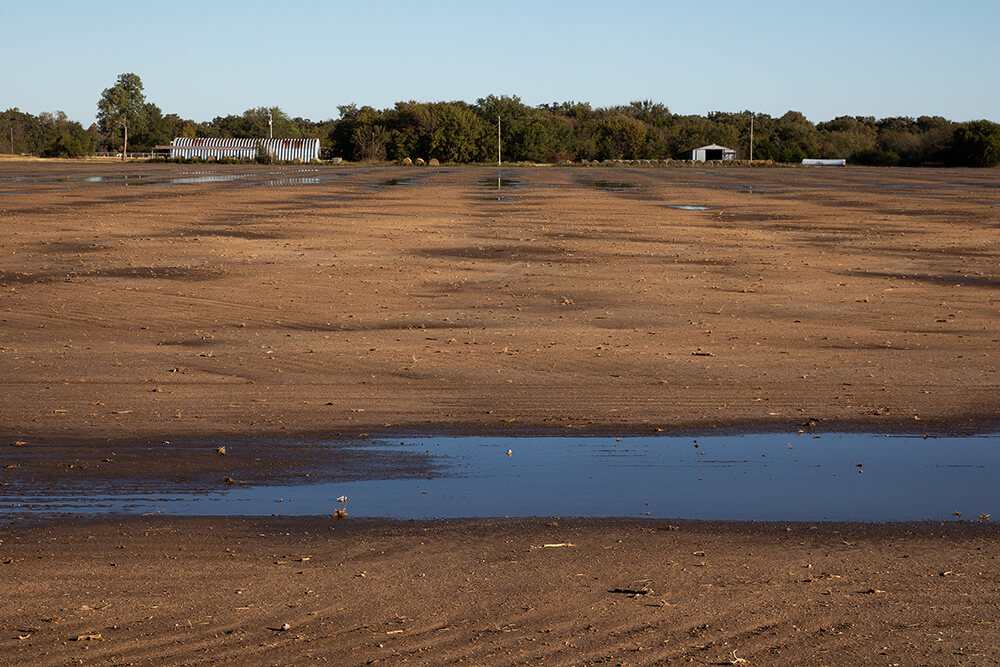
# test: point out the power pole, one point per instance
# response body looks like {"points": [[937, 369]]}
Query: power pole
{"points": [[270, 136], [751, 137], [499, 162]]}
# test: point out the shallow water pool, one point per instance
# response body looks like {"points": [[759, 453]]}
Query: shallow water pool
{"points": [[767, 477]]}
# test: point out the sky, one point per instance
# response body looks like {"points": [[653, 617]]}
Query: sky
{"points": [[216, 57]]}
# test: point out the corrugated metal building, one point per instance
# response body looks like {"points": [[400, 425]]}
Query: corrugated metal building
{"points": [[284, 150], [823, 162], [711, 152]]}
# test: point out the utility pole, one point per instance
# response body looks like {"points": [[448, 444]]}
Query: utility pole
{"points": [[751, 137], [270, 136], [499, 162]]}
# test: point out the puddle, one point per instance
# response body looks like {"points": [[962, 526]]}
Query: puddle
{"points": [[140, 179], [92, 179], [612, 186], [12, 192], [500, 183], [280, 182], [689, 208], [215, 178], [393, 183], [739, 187], [272, 179], [766, 477], [915, 186]]}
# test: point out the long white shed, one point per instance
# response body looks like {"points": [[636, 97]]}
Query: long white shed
{"points": [[304, 150], [823, 162]]}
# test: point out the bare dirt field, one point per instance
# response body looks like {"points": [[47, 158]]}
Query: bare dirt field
{"points": [[143, 304], [195, 591]]}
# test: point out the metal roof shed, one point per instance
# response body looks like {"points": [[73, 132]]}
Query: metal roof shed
{"points": [[304, 150], [712, 152]]}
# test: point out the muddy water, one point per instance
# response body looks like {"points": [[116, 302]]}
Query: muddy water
{"points": [[611, 186], [772, 477]]}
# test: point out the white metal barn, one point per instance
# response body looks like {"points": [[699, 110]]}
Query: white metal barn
{"points": [[711, 152], [813, 162], [304, 150]]}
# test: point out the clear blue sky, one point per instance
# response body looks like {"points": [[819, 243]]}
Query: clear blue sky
{"points": [[211, 58]]}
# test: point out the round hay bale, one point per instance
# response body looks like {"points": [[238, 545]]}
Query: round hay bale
{"points": [[433, 162], [406, 162], [419, 162]]}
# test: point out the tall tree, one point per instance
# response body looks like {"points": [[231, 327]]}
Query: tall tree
{"points": [[122, 104], [977, 144], [66, 138]]}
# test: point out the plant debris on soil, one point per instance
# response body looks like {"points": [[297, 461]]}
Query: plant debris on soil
{"points": [[144, 328]]}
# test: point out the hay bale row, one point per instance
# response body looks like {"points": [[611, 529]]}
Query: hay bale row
{"points": [[667, 162], [407, 162]]}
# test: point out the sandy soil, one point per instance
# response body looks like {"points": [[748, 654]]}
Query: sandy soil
{"points": [[371, 300], [192, 591], [854, 296]]}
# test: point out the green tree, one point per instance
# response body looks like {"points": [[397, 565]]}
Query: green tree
{"points": [[899, 135], [256, 122], [845, 136], [618, 136], [936, 137], [977, 144], [67, 137], [155, 129], [123, 104], [22, 132], [649, 112], [796, 137], [514, 119], [360, 134], [459, 133]]}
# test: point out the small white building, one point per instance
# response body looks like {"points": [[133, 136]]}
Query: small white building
{"points": [[711, 152]]}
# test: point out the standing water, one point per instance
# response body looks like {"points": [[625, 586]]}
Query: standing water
{"points": [[852, 477]]}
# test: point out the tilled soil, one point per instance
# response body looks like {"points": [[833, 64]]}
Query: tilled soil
{"points": [[145, 322], [863, 297], [199, 591]]}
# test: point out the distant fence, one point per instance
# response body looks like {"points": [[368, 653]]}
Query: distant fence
{"points": [[110, 154]]}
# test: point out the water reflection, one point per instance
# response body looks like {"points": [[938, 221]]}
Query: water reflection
{"points": [[858, 477], [612, 186]]}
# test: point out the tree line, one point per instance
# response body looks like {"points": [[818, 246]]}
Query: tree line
{"points": [[462, 132]]}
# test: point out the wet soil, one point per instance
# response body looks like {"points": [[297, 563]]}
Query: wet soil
{"points": [[854, 302], [323, 304], [153, 590]]}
